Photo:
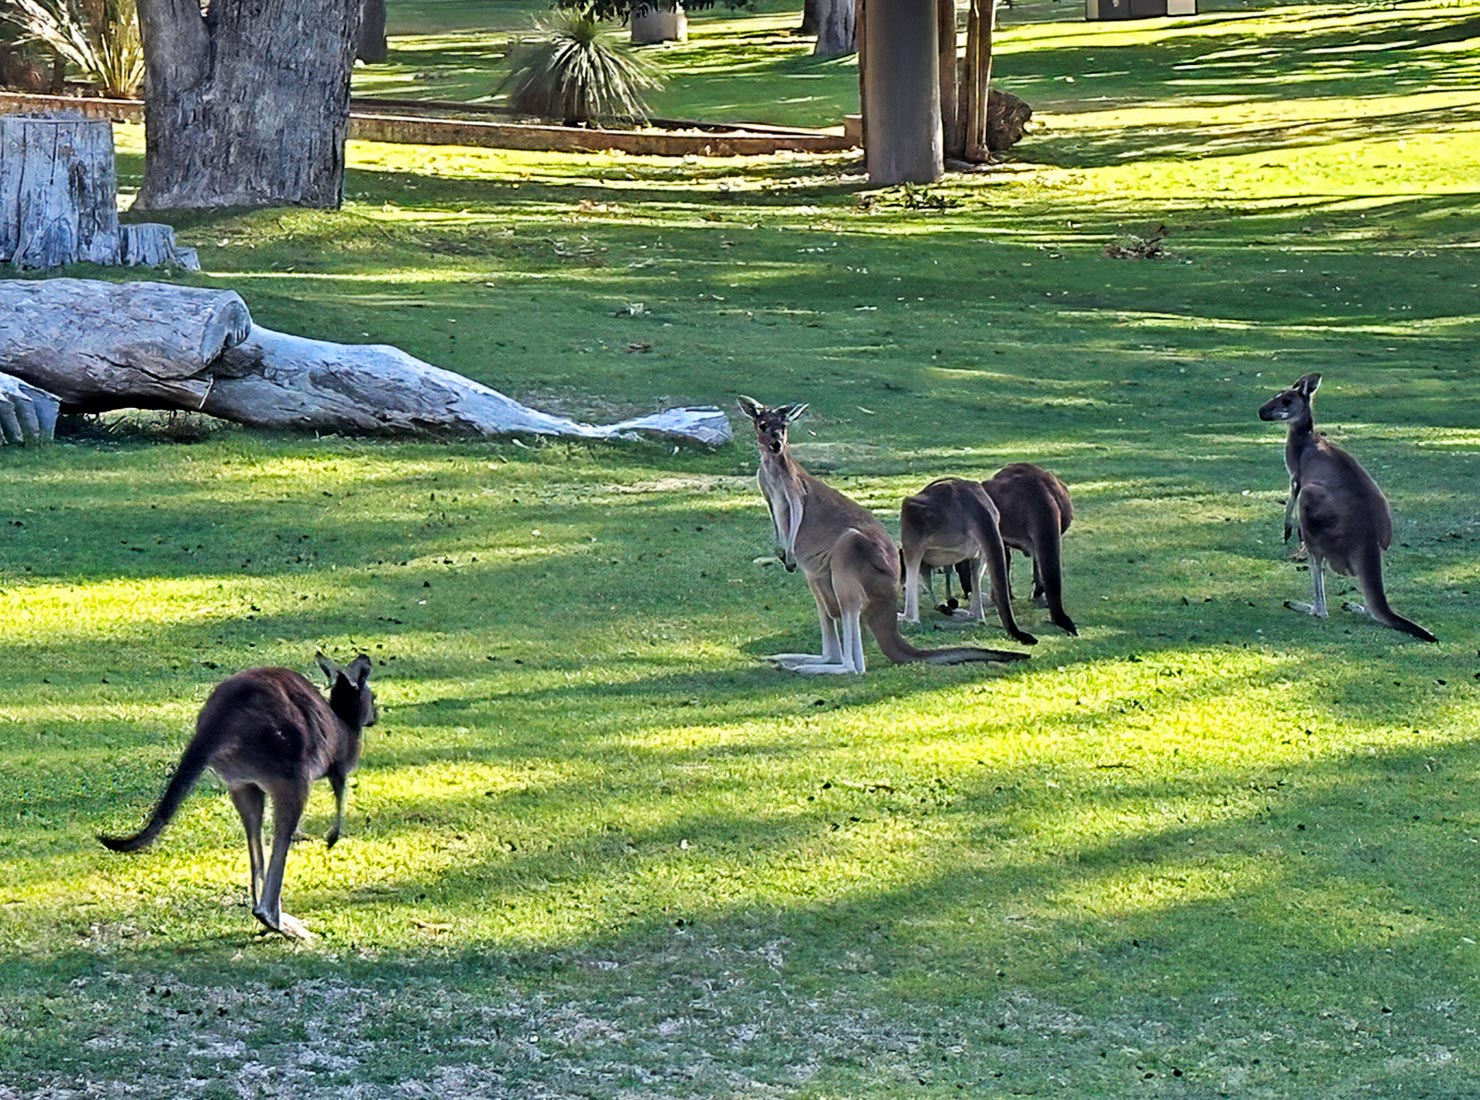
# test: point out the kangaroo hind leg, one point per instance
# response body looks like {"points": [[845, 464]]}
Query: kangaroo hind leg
{"points": [[1317, 606], [288, 799], [249, 800]]}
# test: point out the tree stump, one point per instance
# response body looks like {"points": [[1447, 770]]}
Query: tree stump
{"points": [[58, 192], [1007, 119]]}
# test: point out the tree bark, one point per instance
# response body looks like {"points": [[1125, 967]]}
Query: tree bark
{"points": [[975, 80], [100, 346], [373, 47], [901, 93], [838, 34], [246, 105]]}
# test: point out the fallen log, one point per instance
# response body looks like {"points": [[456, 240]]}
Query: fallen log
{"points": [[275, 380], [101, 346]]}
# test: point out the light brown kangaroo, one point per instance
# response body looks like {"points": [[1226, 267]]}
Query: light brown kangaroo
{"points": [[851, 563], [268, 732], [1344, 518], [950, 521]]}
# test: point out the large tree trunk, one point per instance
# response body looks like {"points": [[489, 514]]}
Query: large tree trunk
{"points": [[99, 346], [247, 105], [901, 87], [838, 34], [812, 17], [58, 192], [373, 47]]}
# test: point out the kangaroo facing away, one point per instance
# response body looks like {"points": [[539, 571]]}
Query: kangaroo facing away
{"points": [[268, 732], [1344, 518], [851, 563], [950, 521], [1035, 512]]}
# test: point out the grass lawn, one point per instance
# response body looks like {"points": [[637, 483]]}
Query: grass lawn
{"points": [[597, 848]]}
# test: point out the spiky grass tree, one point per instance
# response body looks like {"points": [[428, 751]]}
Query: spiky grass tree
{"points": [[98, 38], [571, 70]]}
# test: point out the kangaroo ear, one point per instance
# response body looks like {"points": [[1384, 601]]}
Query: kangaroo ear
{"points": [[795, 412], [357, 671], [328, 667], [751, 407], [1308, 384]]}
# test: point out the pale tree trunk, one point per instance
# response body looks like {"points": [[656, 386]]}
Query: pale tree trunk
{"points": [[373, 47], [812, 16], [248, 104], [837, 34], [901, 91]]}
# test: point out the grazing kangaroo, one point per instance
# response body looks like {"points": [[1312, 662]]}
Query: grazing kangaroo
{"points": [[948, 521], [1344, 518], [851, 563], [269, 732], [1034, 511]]}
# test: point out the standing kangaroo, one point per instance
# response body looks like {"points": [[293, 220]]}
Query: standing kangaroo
{"points": [[949, 521], [268, 731], [1035, 512], [851, 563], [1344, 518]]}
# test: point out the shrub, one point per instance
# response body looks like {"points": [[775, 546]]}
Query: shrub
{"points": [[99, 38], [573, 71]]}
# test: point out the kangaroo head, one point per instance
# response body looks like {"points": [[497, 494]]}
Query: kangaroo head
{"points": [[1293, 403], [771, 424], [350, 697]]}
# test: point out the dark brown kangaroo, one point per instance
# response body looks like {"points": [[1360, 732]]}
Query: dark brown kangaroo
{"points": [[948, 521], [1035, 512], [1344, 518], [268, 732], [851, 563]]}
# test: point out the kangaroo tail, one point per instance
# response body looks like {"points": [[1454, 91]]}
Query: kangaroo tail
{"points": [[1050, 573], [883, 624], [1369, 576], [187, 774], [989, 537]]}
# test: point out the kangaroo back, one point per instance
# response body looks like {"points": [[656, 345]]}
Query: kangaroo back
{"points": [[187, 774]]}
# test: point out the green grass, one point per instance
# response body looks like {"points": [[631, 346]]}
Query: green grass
{"points": [[596, 848]]}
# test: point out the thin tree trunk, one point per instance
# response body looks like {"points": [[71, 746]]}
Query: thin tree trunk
{"points": [[838, 34], [373, 47], [246, 106], [976, 80], [902, 93], [952, 133]]}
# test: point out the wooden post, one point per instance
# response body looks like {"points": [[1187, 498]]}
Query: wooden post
{"points": [[975, 80]]}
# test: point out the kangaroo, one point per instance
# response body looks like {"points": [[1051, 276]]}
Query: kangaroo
{"points": [[1035, 512], [851, 563], [948, 521], [268, 731], [1344, 518]]}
